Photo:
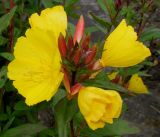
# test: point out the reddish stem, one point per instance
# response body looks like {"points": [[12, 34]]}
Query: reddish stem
{"points": [[11, 28]]}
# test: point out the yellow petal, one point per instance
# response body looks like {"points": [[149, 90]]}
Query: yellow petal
{"points": [[136, 85], [94, 125], [99, 106], [112, 75], [36, 67], [122, 49], [53, 19]]}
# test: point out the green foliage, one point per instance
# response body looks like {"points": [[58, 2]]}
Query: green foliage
{"points": [[118, 128], [5, 19], [150, 34], [23, 130], [64, 112]]}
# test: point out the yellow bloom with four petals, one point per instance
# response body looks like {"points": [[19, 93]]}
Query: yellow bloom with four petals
{"points": [[99, 106], [122, 49], [36, 69]]}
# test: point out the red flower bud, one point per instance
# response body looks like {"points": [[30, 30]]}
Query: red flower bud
{"points": [[66, 81], [62, 45], [70, 43], [85, 43], [79, 30], [75, 89], [118, 4], [77, 56], [90, 54]]}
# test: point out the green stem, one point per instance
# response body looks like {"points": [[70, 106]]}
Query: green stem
{"points": [[72, 129]]}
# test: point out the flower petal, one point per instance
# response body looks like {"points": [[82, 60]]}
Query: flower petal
{"points": [[136, 85], [53, 19], [99, 106], [36, 67], [122, 49]]}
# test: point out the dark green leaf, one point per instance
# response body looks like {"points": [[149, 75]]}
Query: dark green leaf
{"points": [[58, 96], [102, 5], [64, 112], [101, 21], [21, 106], [7, 56], [26, 129], [3, 40], [118, 128], [101, 81], [3, 117], [110, 6], [3, 76], [5, 19], [47, 3], [8, 124], [150, 34], [91, 29]]}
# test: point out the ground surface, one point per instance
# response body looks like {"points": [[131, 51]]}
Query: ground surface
{"points": [[143, 110]]}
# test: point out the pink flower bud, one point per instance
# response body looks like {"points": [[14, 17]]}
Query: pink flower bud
{"points": [[79, 30]]}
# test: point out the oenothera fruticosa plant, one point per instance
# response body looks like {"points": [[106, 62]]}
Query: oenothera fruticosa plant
{"points": [[43, 59]]}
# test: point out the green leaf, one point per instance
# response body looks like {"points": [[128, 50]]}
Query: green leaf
{"points": [[110, 6], [102, 5], [23, 130], [3, 117], [7, 56], [5, 19], [71, 28], [150, 34], [58, 96], [3, 40], [101, 21], [91, 29], [64, 112], [21, 106], [9, 123], [3, 76], [47, 3], [102, 81], [118, 128]]}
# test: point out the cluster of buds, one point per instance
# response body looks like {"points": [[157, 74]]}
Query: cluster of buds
{"points": [[77, 54]]}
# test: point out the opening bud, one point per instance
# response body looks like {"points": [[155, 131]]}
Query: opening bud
{"points": [[79, 30]]}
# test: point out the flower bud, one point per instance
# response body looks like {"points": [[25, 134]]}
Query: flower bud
{"points": [[85, 43], [75, 89], [91, 54], [79, 30], [77, 56], [70, 43], [118, 4], [62, 45], [66, 81], [99, 106]]}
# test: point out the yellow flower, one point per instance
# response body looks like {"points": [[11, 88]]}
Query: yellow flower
{"points": [[122, 49], [36, 69], [99, 106], [112, 75], [52, 19], [136, 85]]}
